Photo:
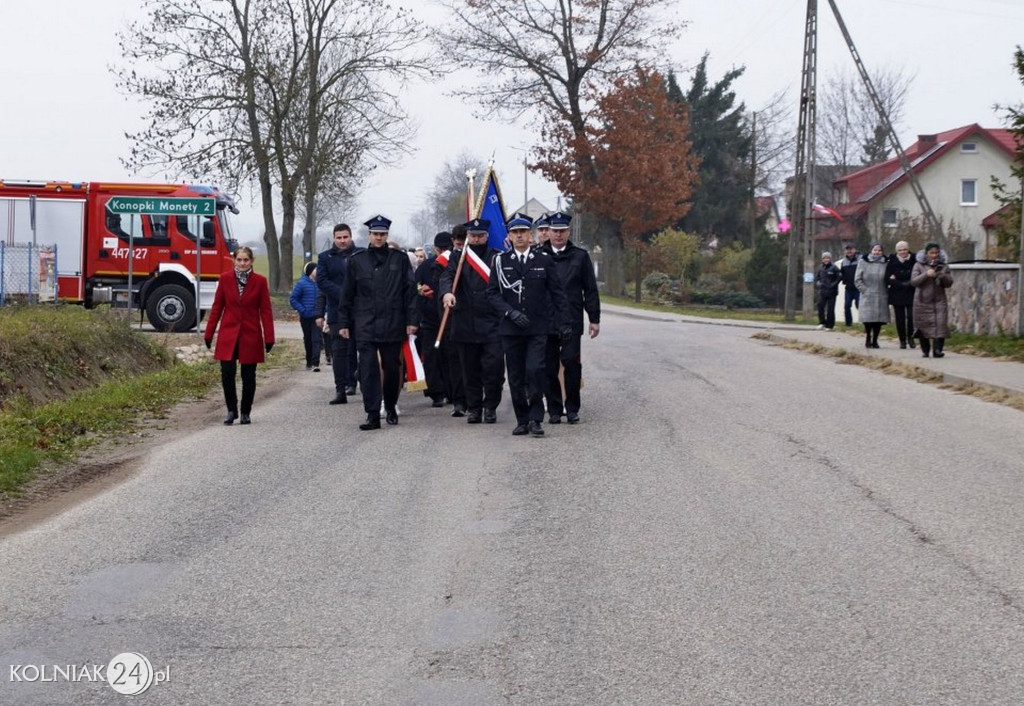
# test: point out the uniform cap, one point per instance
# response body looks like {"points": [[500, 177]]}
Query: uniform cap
{"points": [[559, 220], [378, 224]]}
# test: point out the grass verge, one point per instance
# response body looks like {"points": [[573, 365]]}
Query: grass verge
{"points": [[32, 435], [767, 315], [889, 367]]}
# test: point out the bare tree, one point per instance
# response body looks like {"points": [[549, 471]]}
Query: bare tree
{"points": [[556, 56], [249, 90], [849, 130]]}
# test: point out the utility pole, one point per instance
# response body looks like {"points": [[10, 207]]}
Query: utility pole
{"points": [[801, 238], [931, 221], [753, 181], [1020, 271]]}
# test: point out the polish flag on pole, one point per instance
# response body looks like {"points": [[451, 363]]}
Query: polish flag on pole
{"points": [[825, 210], [478, 265], [415, 378]]}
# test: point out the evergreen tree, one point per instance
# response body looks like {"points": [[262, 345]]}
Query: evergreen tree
{"points": [[721, 140], [766, 270]]}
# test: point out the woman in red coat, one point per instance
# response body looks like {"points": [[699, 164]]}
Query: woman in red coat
{"points": [[242, 306]]}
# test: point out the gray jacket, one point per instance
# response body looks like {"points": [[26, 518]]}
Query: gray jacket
{"points": [[874, 297]]}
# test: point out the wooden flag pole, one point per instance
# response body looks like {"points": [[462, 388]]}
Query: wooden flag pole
{"points": [[470, 174]]}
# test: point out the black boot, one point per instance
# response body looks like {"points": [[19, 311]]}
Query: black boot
{"points": [[938, 348], [926, 347], [372, 422], [867, 334]]}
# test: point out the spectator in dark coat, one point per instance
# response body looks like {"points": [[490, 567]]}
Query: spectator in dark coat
{"points": [[577, 274], [242, 308], [931, 278], [304, 300], [901, 292], [378, 303], [848, 266], [331, 266], [826, 282]]}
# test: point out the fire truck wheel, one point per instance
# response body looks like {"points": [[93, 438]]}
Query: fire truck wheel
{"points": [[171, 307]]}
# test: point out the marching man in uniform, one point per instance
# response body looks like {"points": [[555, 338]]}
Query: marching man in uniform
{"points": [[378, 299], [577, 273], [527, 292], [475, 325]]}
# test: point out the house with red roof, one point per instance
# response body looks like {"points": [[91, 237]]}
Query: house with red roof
{"points": [[954, 169]]}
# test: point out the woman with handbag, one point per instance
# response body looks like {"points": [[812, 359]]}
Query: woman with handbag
{"points": [[242, 307]]}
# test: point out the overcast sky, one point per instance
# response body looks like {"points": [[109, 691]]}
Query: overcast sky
{"points": [[61, 117]]}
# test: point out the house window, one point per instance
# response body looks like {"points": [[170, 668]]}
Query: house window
{"points": [[968, 192], [969, 147], [890, 218]]}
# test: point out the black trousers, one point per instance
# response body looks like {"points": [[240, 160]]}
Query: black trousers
{"points": [[390, 357], [227, 381], [433, 362], [904, 321], [568, 355], [524, 358], [454, 380], [483, 374], [311, 341], [339, 360], [850, 299], [827, 311]]}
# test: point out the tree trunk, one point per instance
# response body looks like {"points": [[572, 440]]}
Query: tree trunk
{"points": [[309, 229], [285, 270], [614, 267], [638, 275], [269, 231]]}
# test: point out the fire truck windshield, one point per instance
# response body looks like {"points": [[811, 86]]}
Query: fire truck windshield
{"points": [[225, 229]]}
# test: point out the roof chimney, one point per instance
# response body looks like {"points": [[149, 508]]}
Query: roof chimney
{"points": [[925, 143]]}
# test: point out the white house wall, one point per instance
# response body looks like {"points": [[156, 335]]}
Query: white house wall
{"points": [[941, 184]]}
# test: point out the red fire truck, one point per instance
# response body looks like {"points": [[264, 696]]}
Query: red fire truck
{"points": [[103, 254]]}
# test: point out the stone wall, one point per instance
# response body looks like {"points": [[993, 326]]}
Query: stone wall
{"points": [[983, 298]]}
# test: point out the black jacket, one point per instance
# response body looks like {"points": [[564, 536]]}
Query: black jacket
{"points": [[580, 283], [534, 288], [379, 297], [330, 278], [901, 292], [827, 280], [848, 266], [473, 320], [428, 275]]}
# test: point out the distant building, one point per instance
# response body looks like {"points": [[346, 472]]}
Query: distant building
{"points": [[954, 168], [532, 208]]}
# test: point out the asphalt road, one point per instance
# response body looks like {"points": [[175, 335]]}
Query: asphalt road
{"points": [[732, 523]]}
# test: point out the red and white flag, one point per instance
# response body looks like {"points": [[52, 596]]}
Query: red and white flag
{"points": [[415, 377], [442, 259], [825, 210]]}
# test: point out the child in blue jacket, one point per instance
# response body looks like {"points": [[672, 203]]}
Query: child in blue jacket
{"points": [[304, 300]]}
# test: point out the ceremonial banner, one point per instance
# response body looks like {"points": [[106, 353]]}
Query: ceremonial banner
{"points": [[490, 206], [415, 378]]}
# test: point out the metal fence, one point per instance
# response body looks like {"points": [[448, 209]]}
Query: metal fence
{"points": [[28, 273]]}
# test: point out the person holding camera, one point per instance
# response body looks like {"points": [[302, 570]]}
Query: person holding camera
{"points": [[931, 278]]}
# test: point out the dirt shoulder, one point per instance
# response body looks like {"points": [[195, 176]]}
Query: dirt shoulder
{"points": [[58, 487]]}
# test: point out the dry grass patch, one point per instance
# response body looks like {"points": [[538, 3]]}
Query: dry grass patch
{"points": [[890, 367]]}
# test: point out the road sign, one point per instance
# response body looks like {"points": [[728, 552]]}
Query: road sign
{"points": [[162, 206]]}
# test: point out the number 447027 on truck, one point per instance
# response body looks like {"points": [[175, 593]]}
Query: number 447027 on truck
{"points": [[128, 244]]}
